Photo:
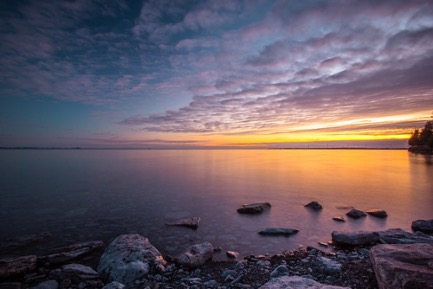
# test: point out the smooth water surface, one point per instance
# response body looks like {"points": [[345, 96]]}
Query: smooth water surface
{"points": [[83, 195]]}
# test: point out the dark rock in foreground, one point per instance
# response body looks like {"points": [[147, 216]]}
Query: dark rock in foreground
{"points": [[425, 226], [356, 214], [279, 231], [314, 205], [377, 213], [403, 266], [195, 255], [12, 267], [128, 258], [355, 238], [296, 282], [72, 252], [254, 208], [187, 222]]}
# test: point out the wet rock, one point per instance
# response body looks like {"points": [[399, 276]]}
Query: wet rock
{"points": [[377, 213], [425, 226], [187, 222], [229, 274], [128, 258], [356, 214], [279, 231], [314, 205], [13, 267], [78, 269], [354, 238], [49, 284], [196, 255], [281, 270], [254, 208], [399, 236], [73, 252], [329, 266], [403, 266], [114, 285], [339, 219], [296, 282], [232, 254]]}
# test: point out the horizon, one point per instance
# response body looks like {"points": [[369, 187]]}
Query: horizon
{"points": [[214, 74]]}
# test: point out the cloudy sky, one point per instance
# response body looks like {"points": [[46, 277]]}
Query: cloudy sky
{"points": [[162, 73]]}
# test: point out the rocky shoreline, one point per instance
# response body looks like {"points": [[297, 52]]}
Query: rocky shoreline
{"points": [[360, 259]]}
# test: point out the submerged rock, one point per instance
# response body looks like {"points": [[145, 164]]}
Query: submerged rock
{"points": [[356, 214], [403, 266], [254, 208], [13, 267], [195, 255], [187, 222], [354, 238], [377, 213], [128, 258], [296, 282], [279, 231], [314, 205], [425, 226]]}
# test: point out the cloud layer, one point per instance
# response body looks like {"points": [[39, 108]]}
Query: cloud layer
{"points": [[228, 67]]}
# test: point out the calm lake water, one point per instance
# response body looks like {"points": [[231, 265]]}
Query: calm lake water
{"points": [[83, 195]]}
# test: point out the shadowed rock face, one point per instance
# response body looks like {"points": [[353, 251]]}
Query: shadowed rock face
{"points": [[377, 213], [407, 266], [254, 208], [128, 258], [425, 226]]}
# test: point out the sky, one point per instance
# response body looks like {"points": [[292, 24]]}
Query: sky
{"points": [[214, 73]]}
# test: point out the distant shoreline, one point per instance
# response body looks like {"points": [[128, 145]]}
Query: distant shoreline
{"points": [[210, 148]]}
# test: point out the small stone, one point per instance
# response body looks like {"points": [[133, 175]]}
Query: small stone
{"points": [[114, 285], [323, 244], [279, 231], [187, 222], [314, 205], [232, 254], [254, 208], [377, 213], [196, 255], [49, 284], [280, 271], [356, 214], [229, 273], [339, 219]]}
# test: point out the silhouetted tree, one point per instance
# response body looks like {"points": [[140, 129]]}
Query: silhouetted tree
{"points": [[423, 138], [414, 138]]}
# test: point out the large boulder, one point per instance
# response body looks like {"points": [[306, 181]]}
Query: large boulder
{"points": [[356, 238], [425, 226], [187, 222], [399, 236], [128, 258], [195, 255], [403, 265], [279, 231], [296, 282], [254, 208], [13, 267]]}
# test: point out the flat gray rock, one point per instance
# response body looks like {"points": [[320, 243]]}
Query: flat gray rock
{"points": [[279, 231], [254, 208], [128, 258], [72, 252], [399, 236], [12, 267], [296, 282], [78, 269], [403, 266], [186, 222], [195, 255], [354, 238]]}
